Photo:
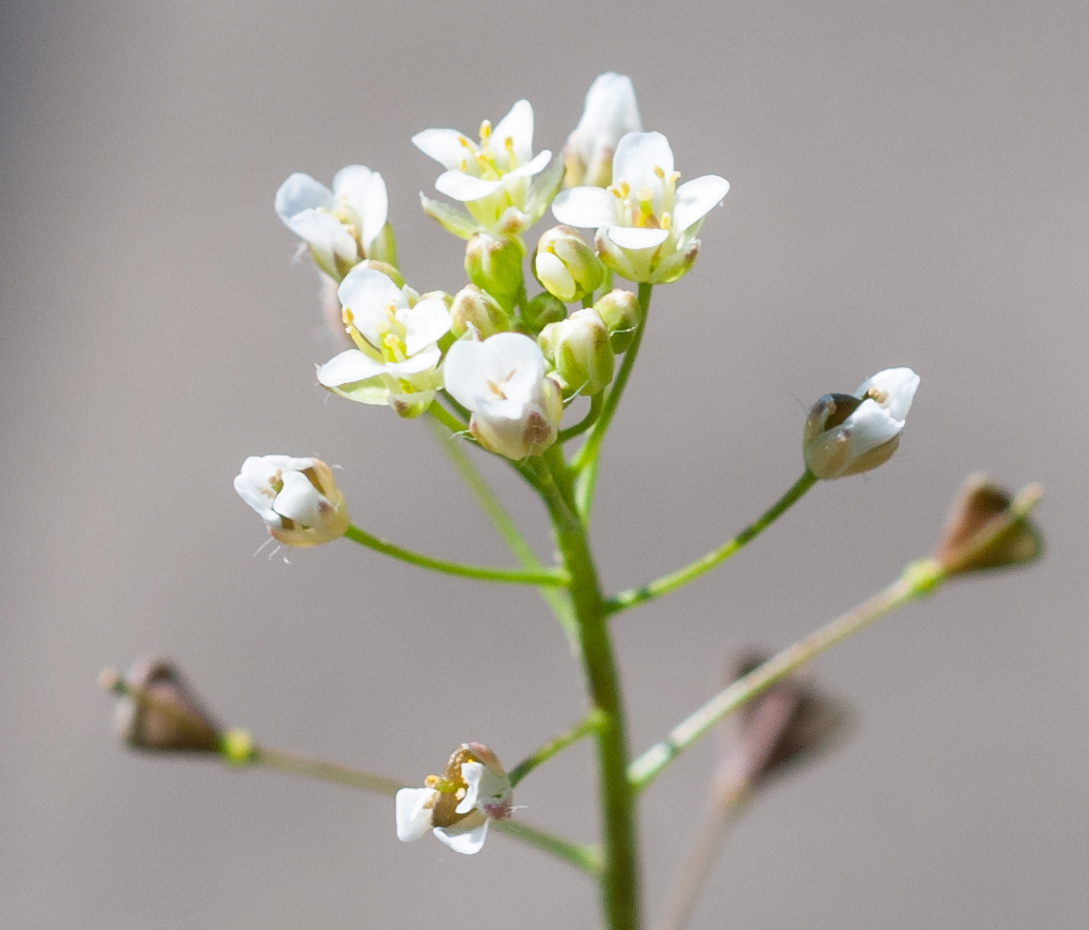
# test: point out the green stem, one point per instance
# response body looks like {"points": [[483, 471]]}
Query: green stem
{"points": [[919, 578], [585, 461], [582, 857], [682, 576], [544, 576], [512, 536], [446, 418], [586, 422], [620, 877], [555, 746]]}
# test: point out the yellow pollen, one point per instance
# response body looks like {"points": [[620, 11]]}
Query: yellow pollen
{"points": [[881, 397], [674, 177], [463, 164], [347, 316], [659, 171], [485, 131], [496, 390], [465, 142], [665, 221]]}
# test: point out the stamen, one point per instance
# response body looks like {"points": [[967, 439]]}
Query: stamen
{"points": [[485, 132], [496, 390], [658, 170], [881, 397], [665, 221]]}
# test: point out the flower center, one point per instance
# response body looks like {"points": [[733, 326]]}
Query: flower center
{"points": [[650, 206]]}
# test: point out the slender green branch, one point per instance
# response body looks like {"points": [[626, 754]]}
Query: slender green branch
{"points": [[585, 461], [512, 536], [620, 896], [582, 857], [555, 746], [918, 579], [715, 557], [446, 418], [544, 576], [596, 402]]}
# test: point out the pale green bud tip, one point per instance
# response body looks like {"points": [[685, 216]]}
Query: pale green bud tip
{"points": [[237, 747], [578, 349], [566, 266], [495, 265], [986, 529], [622, 313], [542, 310], [473, 307]]}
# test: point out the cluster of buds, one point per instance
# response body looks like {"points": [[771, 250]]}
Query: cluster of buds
{"points": [[458, 805]]}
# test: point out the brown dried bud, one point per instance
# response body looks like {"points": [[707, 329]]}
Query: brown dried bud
{"points": [[157, 711], [983, 531], [780, 727]]}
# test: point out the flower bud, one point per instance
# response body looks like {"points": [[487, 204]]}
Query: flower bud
{"points": [[848, 434], [296, 497], [542, 310], [495, 265], [157, 711], [477, 308], [566, 266], [579, 351], [983, 531], [622, 314], [457, 806]]}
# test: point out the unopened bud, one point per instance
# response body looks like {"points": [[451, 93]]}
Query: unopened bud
{"points": [[621, 312], [542, 310], [846, 434], [566, 266], [495, 265], [157, 711], [579, 351], [783, 725], [296, 497], [984, 530], [386, 268], [477, 308]]}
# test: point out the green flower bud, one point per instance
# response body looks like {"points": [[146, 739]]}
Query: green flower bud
{"points": [[386, 268], [579, 351], [566, 266], [495, 265], [621, 312], [477, 308], [542, 310]]}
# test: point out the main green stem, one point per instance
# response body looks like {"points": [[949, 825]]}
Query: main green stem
{"points": [[620, 875]]}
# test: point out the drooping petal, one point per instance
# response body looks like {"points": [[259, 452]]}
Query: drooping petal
{"points": [[326, 235], [447, 146], [634, 237], [301, 192], [585, 206], [696, 198], [365, 192], [423, 360], [413, 809], [467, 843], [349, 367], [465, 188], [637, 155], [517, 126], [425, 323]]}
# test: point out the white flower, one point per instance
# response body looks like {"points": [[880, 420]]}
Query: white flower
{"points": [[296, 497], [646, 225], [492, 178], [846, 434], [459, 806], [342, 226], [516, 409], [396, 357], [610, 113]]}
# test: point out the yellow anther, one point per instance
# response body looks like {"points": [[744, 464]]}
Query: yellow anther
{"points": [[464, 164], [658, 170], [347, 316], [485, 131], [674, 178], [881, 397], [495, 389], [465, 142], [665, 221]]}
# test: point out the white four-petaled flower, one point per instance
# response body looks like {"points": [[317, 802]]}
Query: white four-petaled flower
{"points": [[342, 226], [646, 225], [846, 434], [458, 807], [610, 113], [516, 408], [396, 358], [493, 177], [296, 497]]}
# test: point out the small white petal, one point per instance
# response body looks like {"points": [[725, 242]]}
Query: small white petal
{"points": [[414, 812], [349, 367], [425, 323], [637, 155], [554, 275], [591, 207], [517, 126], [446, 146], [696, 198], [464, 187], [301, 192], [325, 234], [467, 843], [365, 192], [900, 384], [299, 500], [535, 165], [632, 237], [423, 360]]}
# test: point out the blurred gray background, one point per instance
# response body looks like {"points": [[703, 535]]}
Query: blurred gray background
{"points": [[910, 186]]}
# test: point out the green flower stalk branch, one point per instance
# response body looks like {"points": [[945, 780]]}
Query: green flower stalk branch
{"points": [[544, 576], [715, 557], [494, 367]]}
